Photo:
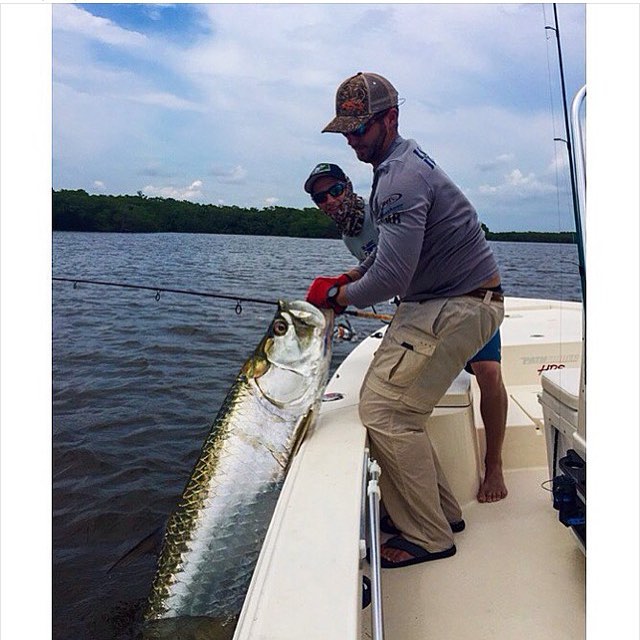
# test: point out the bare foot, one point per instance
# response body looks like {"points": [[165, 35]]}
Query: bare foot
{"points": [[394, 555], [493, 487]]}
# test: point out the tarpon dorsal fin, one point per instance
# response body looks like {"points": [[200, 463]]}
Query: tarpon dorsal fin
{"points": [[149, 544]]}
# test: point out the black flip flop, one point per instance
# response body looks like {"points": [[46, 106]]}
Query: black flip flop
{"points": [[457, 527], [419, 553], [386, 525]]}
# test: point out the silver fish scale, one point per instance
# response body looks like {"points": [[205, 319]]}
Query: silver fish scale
{"points": [[214, 537], [243, 481]]}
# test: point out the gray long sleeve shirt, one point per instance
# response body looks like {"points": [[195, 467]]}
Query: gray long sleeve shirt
{"points": [[364, 243], [430, 243]]}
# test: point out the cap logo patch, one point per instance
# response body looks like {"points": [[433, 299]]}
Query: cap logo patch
{"points": [[353, 106], [353, 98]]}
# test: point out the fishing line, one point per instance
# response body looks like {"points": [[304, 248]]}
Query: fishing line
{"points": [[206, 294]]}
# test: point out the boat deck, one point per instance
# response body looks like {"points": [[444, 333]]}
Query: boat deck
{"points": [[518, 573]]}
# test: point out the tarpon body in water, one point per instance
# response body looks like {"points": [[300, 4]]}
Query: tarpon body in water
{"points": [[213, 539]]}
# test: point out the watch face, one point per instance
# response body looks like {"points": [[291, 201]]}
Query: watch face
{"points": [[332, 292], [332, 397]]}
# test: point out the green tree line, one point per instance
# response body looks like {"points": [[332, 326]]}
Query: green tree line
{"points": [[76, 210]]}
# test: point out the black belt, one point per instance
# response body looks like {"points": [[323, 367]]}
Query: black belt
{"points": [[487, 295]]}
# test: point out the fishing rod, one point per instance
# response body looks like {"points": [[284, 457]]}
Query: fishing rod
{"points": [[572, 168], [575, 147], [207, 294]]}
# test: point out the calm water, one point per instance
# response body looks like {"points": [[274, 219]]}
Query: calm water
{"points": [[137, 382]]}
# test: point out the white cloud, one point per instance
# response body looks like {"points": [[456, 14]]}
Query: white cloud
{"points": [[496, 163], [517, 185], [233, 175], [83, 24], [166, 100], [560, 162], [191, 192]]}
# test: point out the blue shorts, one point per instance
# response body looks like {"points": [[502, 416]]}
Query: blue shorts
{"points": [[491, 351]]}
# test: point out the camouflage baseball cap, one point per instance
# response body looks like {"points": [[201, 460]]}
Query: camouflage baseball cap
{"points": [[360, 97]]}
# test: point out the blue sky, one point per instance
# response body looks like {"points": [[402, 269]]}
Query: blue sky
{"points": [[224, 103]]}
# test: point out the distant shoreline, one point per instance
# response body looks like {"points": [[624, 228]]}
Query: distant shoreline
{"points": [[77, 210]]}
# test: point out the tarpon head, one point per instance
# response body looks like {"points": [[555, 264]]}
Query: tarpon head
{"points": [[292, 359]]}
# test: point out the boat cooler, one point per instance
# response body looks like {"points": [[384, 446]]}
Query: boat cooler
{"points": [[453, 435], [560, 400]]}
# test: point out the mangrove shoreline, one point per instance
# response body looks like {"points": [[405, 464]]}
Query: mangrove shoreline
{"points": [[76, 210]]}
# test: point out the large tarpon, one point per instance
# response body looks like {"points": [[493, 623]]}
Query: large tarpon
{"points": [[213, 538]]}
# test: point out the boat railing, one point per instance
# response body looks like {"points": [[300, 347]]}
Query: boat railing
{"points": [[578, 144], [373, 495], [580, 168]]}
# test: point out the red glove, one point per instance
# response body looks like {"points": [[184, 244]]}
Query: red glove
{"points": [[318, 293]]}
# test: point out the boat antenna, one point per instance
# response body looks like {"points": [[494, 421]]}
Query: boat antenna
{"points": [[572, 169]]}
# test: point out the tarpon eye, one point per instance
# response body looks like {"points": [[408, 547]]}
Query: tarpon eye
{"points": [[280, 327]]}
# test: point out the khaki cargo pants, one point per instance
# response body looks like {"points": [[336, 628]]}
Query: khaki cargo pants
{"points": [[425, 348]]}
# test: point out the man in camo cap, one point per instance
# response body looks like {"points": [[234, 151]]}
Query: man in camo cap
{"points": [[433, 255]]}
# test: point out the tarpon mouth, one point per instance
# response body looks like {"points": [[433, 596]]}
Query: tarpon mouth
{"points": [[304, 311]]}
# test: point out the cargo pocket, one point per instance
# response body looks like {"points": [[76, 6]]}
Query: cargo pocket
{"points": [[399, 360]]}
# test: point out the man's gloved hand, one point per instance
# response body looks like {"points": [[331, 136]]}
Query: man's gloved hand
{"points": [[323, 290]]}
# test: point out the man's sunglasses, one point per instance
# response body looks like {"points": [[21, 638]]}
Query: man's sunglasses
{"points": [[361, 129], [336, 190]]}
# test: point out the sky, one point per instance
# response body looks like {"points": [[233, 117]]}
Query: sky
{"points": [[224, 103]]}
